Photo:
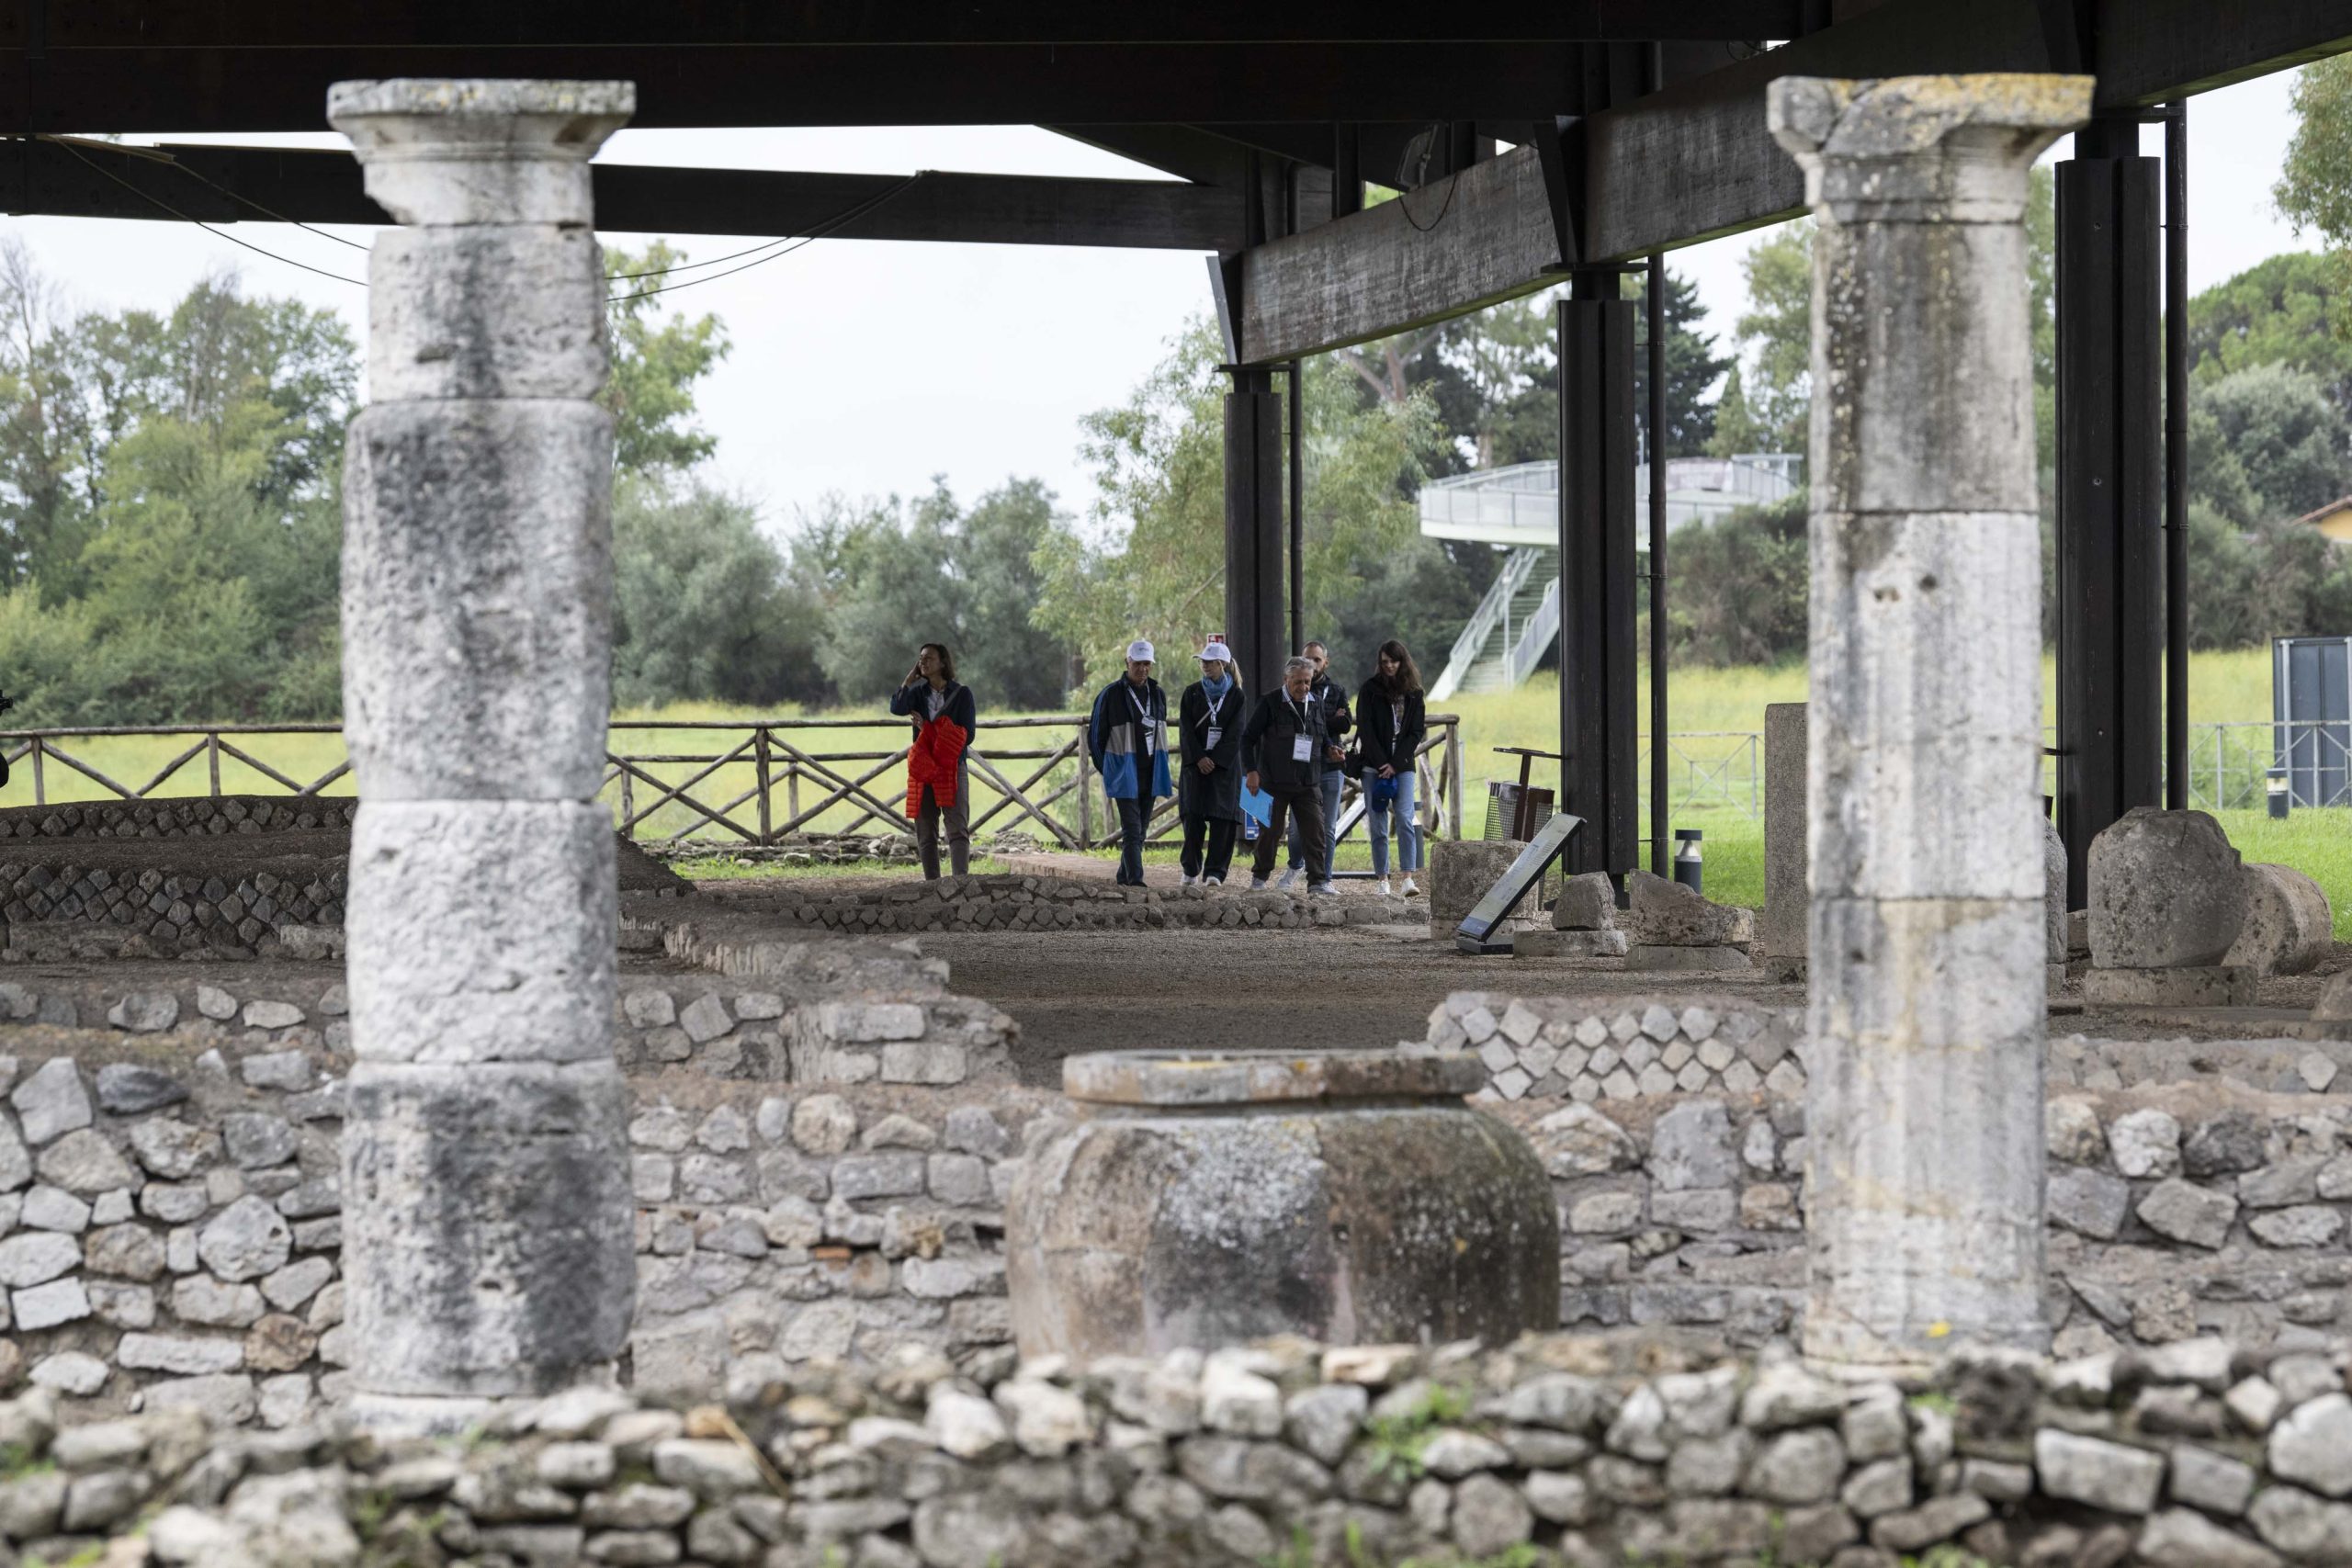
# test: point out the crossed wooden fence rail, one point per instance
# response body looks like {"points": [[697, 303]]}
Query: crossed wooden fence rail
{"points": [[795, 779]]}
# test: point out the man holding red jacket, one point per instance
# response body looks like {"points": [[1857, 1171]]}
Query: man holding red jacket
{"points": [[943, 718]]}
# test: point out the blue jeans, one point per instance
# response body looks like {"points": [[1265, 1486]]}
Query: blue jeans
{"points": [[1333, 782], [1407, 821]]}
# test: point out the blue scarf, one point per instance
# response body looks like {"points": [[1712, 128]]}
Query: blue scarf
{"points": [[1217, 688]]}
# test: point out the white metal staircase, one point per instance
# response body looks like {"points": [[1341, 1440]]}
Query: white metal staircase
{"points": [[1517, 622]]}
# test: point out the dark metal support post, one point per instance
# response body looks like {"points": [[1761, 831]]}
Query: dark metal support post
{"points": [[1653, 289], [1295, 467], [1253, 525], [2176, 456], [1598, 734], [1347, 170], [2111, 564]]}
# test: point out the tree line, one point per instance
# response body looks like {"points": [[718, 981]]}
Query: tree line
{"points": [[170, 491]]}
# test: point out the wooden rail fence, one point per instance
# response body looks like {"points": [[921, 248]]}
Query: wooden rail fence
{"points": [[757, 782]]}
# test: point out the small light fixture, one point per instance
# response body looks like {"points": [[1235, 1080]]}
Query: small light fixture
{"points": [[1688, 868], [2274, 785]]}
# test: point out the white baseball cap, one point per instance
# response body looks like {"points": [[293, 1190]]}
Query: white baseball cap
{"points": [[1139, 652], [1217, 651]]}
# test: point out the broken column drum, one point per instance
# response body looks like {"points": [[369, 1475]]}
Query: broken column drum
{"points": [[487, 1210], [1214, 1198], [1923, 795]]}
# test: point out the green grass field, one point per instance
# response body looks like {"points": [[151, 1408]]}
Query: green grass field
{"points": [[1716, 761]]}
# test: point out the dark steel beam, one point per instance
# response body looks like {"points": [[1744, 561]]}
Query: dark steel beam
{"points": [[736, 24], [147, 90], [97, 181], [1693, 162], [2111, 551]]}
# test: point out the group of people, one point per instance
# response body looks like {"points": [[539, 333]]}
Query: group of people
{"points": [[1281, 761]]}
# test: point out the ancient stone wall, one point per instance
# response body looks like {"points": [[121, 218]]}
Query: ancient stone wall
{"points": [[2194, 1187], [170, 1229], [2200, 1455]]}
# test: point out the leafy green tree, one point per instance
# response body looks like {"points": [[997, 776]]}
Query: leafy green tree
{"points": [[657, 359], [895, 577], [703, 609], [1153, 563], [2284, 311], [1769, 400], [2314, 188], [2266, 445]]}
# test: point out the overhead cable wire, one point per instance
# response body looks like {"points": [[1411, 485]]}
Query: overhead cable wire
{"points": [[789, 243], [820, 232], [75, 153]]}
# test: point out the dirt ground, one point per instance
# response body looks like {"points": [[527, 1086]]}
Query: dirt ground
{"points": [[1245, 989]]}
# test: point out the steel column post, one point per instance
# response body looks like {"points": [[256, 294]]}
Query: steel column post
{"points": [[1253, 526], [1599, 732], [2176, 457], [2111, 563]]}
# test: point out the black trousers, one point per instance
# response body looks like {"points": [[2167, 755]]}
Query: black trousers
{"points": [[1134, 815], [1306, 800], [1220, 836]]}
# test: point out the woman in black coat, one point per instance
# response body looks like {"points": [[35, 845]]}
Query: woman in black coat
{"points": [[1390, 727], [1208, 778]]}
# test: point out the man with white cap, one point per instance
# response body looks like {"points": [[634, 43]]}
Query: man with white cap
{"points": [[1282, 746], [1127, 737], [1208, 778]]}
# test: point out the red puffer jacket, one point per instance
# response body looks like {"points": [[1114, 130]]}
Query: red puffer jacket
{"points": [[936, 758]]}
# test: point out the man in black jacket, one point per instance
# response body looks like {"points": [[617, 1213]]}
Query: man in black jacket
{"points": [[1331, 769], [1282, 747]]}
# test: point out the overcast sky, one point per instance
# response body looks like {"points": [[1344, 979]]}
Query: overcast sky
{"points": [[868, 366]]}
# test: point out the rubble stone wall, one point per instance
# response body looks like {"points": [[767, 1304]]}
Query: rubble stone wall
{"points": [[171, 1230], [1594, 1453], [195, 817]]}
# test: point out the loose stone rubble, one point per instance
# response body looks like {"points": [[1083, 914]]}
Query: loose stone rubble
{"points": [[2287, 928], [2167, 902], [1596, 1451]]}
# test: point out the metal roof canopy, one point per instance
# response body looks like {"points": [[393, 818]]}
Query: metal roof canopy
{"points": [[1270, 116]]}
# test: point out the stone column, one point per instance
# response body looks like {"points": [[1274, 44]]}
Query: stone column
{"points": [[1922, 793], [487, 1230]]}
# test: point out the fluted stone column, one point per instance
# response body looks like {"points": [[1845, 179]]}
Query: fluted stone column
{"points": [[1923, 1122], [487, 1245]]}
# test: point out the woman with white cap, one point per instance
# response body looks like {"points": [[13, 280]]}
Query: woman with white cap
{"points": [[1209, 780], [1127, 737]]}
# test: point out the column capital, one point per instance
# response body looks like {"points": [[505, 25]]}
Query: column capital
{"points": [[457, 152], [1922, 148]]}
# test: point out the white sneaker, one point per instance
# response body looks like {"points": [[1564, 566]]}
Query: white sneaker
{"points": [[1382, 887], [1189, 880], [1411, 891], [1256, 883], [1325, 890], [1288, 878], [1212, 880]]}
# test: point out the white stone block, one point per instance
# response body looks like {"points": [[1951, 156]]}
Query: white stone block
{"points": [[506, 311], [469, 151], [482, 931], [476, 599]]}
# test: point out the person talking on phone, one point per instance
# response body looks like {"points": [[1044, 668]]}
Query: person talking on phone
{"points": [[1282, 747], [942, 714]]}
